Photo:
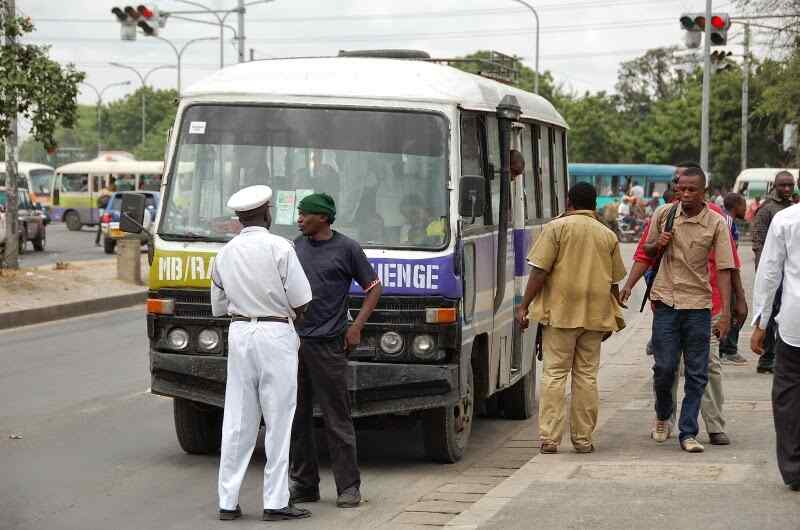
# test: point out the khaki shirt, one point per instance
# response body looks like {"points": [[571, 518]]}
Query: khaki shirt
{"points": [[583, 261], [682, 281]]}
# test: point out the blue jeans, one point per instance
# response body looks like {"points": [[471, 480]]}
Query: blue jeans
{"points": [[676, 331]]}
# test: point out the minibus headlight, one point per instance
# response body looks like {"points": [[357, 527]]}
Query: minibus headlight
{"points": [[208, 340], [424, 347], [391, 343], [178, 339]]}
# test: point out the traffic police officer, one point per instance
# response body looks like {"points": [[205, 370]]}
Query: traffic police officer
{"points": [[258, 281]]}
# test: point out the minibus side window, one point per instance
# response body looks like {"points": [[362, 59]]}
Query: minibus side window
{"points": [[531, 182], [546, 172], [473, 158], [493, 149]]}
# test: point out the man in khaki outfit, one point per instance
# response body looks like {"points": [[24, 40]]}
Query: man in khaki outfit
{"points": [[573, 286]]}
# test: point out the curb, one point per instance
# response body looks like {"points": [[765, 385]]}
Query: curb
{"points": [[39, 315]]}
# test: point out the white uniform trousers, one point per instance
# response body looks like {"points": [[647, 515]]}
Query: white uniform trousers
{"points": [[262, 380]]}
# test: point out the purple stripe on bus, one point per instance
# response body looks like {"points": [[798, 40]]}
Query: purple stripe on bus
{"points": [[432, 276], [521, 239]]}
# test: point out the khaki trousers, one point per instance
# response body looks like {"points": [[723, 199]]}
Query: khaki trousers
{"points": [[575, 351], [713, 396]]}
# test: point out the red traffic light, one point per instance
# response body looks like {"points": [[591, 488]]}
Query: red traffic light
{"points": [[145, 12], [717, 22]]}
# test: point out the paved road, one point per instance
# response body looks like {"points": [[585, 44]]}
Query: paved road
{"points": [[98, 451], [64, 245]]}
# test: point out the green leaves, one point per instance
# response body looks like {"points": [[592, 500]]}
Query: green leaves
{"points": [[34, 87]]}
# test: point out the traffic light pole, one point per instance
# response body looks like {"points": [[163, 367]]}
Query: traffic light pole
{"points": [[11, 246], [704, 132], [241, 30]]}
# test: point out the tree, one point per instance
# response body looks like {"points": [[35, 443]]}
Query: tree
{"points": [[37, 88]]}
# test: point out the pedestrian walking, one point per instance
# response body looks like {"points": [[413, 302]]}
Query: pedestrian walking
{"points": [[683, 300], [332, 261], [258, 281], [102, 204], [735, 207], [576, 265], [780, 260], [779, 198]]}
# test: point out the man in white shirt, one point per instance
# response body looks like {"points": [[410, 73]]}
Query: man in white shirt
{"points": [[780, 260], [258, 281]]}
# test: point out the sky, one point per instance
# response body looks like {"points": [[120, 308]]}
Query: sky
{"points": [[582, 41]]}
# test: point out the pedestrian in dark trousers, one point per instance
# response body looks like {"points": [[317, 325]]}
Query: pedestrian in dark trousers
{"points": [[779, 199], [332, 262], [682, 296], [780, 260]]}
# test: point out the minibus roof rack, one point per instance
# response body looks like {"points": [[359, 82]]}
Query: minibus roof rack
{"points": [[497, 66]]}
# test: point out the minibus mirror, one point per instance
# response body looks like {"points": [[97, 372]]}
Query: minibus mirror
{"points": [[131, 217], [472, 196]]}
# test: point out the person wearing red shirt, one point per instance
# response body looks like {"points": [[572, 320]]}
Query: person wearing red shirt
{"points": [[713, 397]]}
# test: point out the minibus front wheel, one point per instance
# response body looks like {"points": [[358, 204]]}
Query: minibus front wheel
{"points": [[73, 220], [447, 429]]}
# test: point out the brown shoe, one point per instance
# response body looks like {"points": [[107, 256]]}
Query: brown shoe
{"points": [[583, 449], [718, 438], [661, 431], [548, 448]]}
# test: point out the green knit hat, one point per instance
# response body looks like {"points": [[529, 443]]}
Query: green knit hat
{"points": [[318, 203]]}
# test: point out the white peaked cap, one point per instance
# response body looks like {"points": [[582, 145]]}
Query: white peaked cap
{"points": [[250, 198]]}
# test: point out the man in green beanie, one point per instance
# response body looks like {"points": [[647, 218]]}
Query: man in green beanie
{"points": [[331, 261]]}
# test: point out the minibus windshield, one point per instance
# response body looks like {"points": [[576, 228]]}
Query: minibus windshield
{"points": [[386, 170], [41, 180]]}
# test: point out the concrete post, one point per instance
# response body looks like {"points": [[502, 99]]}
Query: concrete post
{"points": [[129, 260]]}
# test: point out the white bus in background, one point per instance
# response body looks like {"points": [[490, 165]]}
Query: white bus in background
{"points": [[37, 179], [757, 182], [77, 186]]}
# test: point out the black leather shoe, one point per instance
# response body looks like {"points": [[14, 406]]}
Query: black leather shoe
{"points": [[718, 438], [764, 369], [349, 498], [795, 486], [298, 495], [285, 514], [230, 515]]}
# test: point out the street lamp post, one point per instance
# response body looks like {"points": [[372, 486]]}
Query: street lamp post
{"points": [[100, 102], [179, 53], [143, 79], [536, 71], [221, 17]]}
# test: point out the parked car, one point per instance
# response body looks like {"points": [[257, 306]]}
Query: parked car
{"points": [[110, 219], [31, 219]]}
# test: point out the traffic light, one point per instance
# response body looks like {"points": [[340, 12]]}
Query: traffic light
{"points": [[149, 20], [696, 22], [720, 23], [720, 62], [127, 17]]}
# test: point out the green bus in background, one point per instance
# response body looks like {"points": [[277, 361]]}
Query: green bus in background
{"points": [[613, 181]]}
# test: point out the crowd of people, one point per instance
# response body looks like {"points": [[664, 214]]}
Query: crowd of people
{"points": [[688, 253]]}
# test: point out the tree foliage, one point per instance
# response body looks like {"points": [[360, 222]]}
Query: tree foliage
{"points": [[33, 86]]}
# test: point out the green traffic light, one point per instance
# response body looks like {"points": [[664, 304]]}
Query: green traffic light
{"points": [[687, 23]]}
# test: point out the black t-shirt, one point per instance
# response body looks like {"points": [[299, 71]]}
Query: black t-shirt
{"points": [[331, 266]]}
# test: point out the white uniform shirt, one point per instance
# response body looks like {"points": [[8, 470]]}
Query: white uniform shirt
{"points": [[257, 274], [780, 260]]}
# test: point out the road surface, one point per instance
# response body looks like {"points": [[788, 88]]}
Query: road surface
{"points": [[64, 245]]}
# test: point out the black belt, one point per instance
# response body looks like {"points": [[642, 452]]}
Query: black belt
{"points": [[239, 318]]}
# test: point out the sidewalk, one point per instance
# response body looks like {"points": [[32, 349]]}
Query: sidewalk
{"points": [[51, 292], [633, 482]]}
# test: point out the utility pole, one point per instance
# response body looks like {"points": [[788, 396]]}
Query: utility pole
{"points": [[745, 94], [536, 67], [11, 251], [704, 133], [241, 11]]}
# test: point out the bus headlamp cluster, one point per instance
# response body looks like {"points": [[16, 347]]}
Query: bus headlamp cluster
{"points": [[423, 346], [179, 339]]}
